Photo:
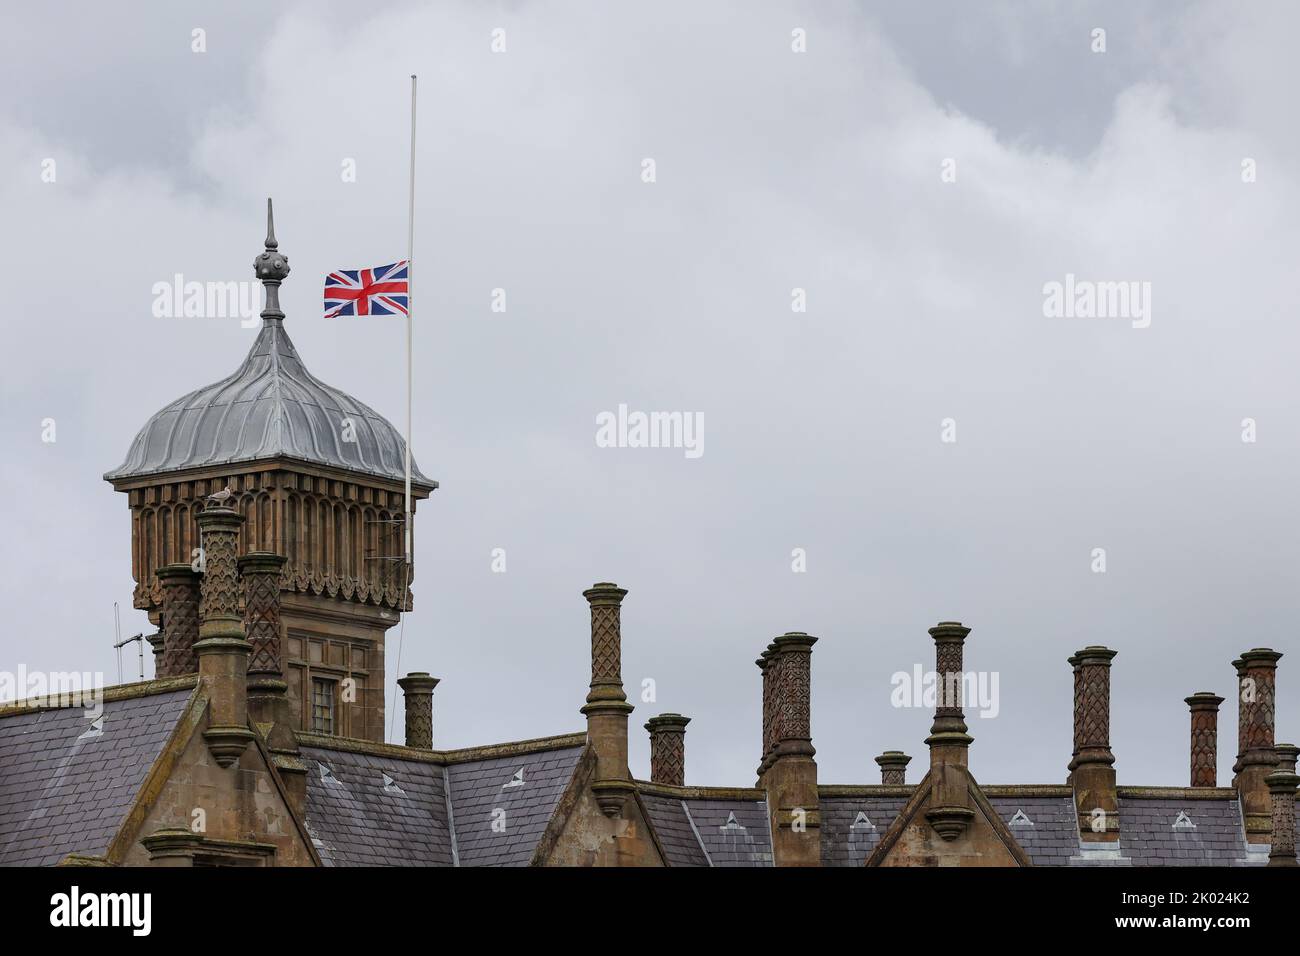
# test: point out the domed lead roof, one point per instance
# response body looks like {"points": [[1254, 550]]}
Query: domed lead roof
{"points": [[271, 407]]}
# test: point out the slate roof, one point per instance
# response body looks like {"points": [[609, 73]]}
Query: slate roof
{"points": [[1211, 833], [848, 840], [676, 831], [733, 832], [482, 791], [1050, 836], [66, 784], [358, 818]]}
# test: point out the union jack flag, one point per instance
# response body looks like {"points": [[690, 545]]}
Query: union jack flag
{"points": [[379, 291]]}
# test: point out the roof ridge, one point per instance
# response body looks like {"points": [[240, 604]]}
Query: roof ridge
{"points": [[700, 793], [109, 694], [463, 755]]}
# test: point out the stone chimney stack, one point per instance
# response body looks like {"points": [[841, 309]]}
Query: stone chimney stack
{"points": [[1240, 667], [767, 667], [893, 768], [180, 620], [668, 749], [949, 743], [1281, 788], [607, 708], [260, 573], [268, 693], [1256, 758], [790, 772], [1073, 661], [417, 689], [221, 649], [156, 645], [1286, 757], [1092, 771], [1205, 738]]}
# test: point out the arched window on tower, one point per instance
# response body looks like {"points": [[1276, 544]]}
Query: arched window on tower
{"points": [[147, 551], [322, 534], [338, 558], [166, 520], [370, 549], [291, 531], [266, 523], [354, 542], [183, 545]]}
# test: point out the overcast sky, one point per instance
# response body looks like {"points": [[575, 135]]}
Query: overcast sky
{"points": [[775, 170]]}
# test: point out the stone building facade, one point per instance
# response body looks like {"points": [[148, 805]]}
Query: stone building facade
{"points": [[268, 550]]}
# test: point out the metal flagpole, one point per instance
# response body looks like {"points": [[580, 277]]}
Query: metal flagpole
{"points": [[410, 302], [410, 297]]}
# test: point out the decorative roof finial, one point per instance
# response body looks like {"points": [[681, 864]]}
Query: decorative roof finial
{"points": [[272, 267], [270, 226]]}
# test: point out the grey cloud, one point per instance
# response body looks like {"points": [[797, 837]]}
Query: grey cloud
{"points": [[775, 171]]}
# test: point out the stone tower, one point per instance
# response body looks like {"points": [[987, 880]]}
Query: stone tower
{"points": [[319, 479]]}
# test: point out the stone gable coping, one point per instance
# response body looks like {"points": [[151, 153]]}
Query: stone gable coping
{"points": [[865, 790], [1178, 793], [1028, 790]]}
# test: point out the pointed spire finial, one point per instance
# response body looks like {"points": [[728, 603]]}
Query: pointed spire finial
{"points": [[270, 226], [272, 267]]}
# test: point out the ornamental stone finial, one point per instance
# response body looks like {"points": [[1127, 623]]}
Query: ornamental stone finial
{"points": [[272, 268]]}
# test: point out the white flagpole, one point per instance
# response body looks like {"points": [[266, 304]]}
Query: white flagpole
{"points": [[410, 297], [410, 301]]}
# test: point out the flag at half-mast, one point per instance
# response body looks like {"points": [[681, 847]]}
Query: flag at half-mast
{"points": [[384, 290]]}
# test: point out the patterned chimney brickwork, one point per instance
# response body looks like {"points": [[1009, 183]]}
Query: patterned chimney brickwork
{"points": [[1257, 758], [260, 572], [1204, 708], [668, 749], [222, 650], [893, 768], [789, 772], [1240, 667], [793, 714], [1257, 699], [950, 812], [768, 670], [1073, 661], [607, 708], [417, 689], [1281, 788], [179, 584], [1092, 770]]}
